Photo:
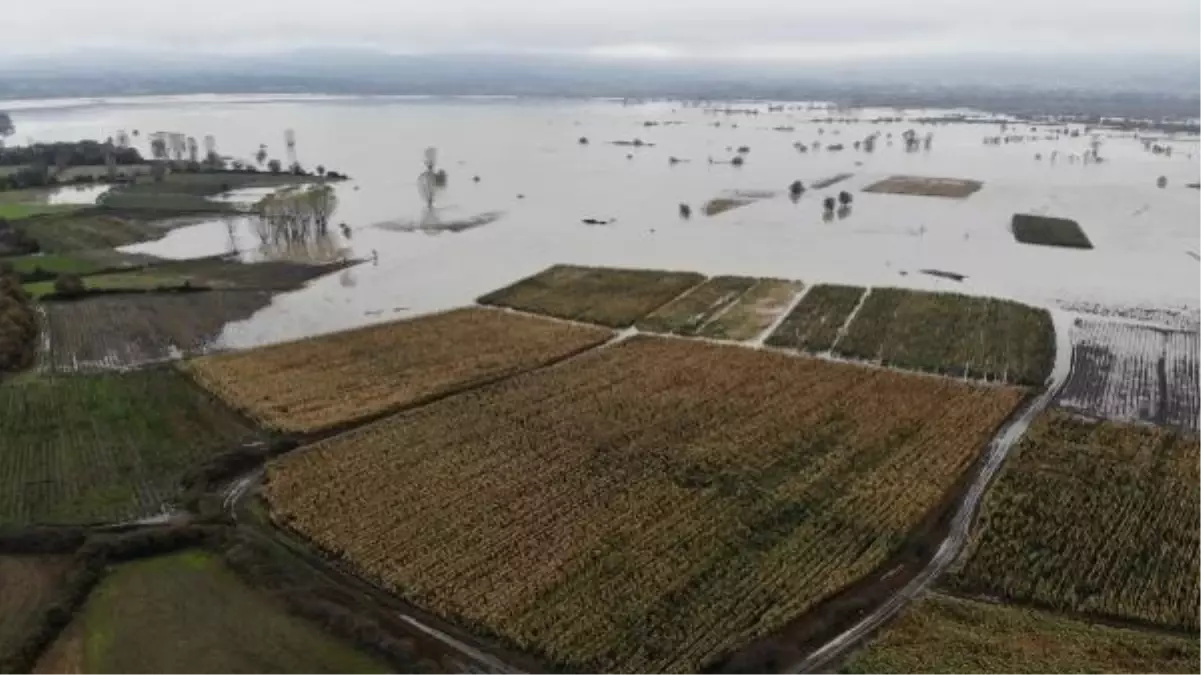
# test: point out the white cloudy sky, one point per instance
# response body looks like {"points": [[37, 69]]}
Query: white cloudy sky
{"points": [[712, 28]]}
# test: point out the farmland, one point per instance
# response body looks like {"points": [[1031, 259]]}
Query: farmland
{"points": [[606, 296], [120, 331], [687, 314], [956, 188], [665, 501], [814, 324], [103, 448], [97, 229], [943, 634], [1123, 371], [27, 584], [1096, 518], [752, 312], [186, 612], [324, 382], [1045, 231], [952, 334]]}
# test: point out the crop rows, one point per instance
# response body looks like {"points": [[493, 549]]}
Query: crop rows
{"points": [[645, 507], [813, 325], [687, 314], [943, 634], [953, 334], [605, 296], [752, 312], [104, 448], [331, 380], [1094, 517]]}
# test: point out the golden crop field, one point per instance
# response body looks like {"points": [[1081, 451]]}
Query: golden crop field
{"points": [[332, 380], [646, 507], [945, 634], [1094, 517]]}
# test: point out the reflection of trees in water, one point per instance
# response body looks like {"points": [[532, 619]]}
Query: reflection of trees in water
{"points": [[294, 225]]}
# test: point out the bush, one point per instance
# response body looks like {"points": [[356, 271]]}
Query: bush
{"points": [[68, 285]]}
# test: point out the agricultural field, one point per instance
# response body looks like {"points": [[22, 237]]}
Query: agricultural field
{"points": [[116, 281], [957, 335], [664, 501], [719, 205], [1123, 371], [121, 331], [104, 448], [1098, 518], [751, 313], [1046, 231], [956, 188], [96, 229], [333, 380], [27, 585], [688, 314], [944, 634], [814, 324], [187, 613], [606, 296]]}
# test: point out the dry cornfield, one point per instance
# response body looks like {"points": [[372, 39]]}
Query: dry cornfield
{"points": [[650, 506], [1093, 517], [325, 382]]}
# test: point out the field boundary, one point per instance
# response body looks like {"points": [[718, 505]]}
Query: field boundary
{"points": [[846, 325]]}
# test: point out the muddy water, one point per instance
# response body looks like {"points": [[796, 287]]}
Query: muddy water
{"points": [[533, 170]]}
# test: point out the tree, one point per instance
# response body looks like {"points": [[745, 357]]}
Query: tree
{"points": [[6, 127], [261, 155], [274, 166], [320, 169], [68, 284]]}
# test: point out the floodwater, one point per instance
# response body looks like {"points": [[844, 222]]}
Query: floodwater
{"points": [[542, 182]]}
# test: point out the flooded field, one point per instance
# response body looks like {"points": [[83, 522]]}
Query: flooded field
{"points": [[550, 198]]}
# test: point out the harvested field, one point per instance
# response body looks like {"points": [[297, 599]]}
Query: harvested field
{"points": [[1123, 371], [187, 613], [943, 634], [333, 380], [124, 331], [664, 501], [27, 585], [1045, 231], [687, 314], [1093, 517], [814, 324], [952, 334], [606, 296], [956, 188], [752, 312], [104, 448]]}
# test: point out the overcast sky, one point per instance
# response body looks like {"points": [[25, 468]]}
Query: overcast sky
{"points": [[645, 28]]}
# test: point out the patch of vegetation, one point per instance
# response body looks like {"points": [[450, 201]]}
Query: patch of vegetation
{"points": [[143, 280], [752, 312], [952, 334], [95, 229], [813, 325], [943, 634], [18, 325], [697, 496], [605, 296], [28, 583], [162, 201], [720, 205], [956, 188], [687, 314], [1045, 231], [187, 612], [104, 448]]}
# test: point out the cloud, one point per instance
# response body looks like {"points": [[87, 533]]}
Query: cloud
{"points": [[659, 28]]}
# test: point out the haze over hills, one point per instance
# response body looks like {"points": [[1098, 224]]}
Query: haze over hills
{"points": [[1138, 86]]}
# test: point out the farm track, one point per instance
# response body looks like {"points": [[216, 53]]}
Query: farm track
{"points": [[960, 527]]}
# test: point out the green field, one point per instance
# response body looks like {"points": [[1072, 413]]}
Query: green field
{"points": [[27, 585], [55, 263], [814, 323], [687, 314], [188, 613], [952, 334], [752, 312], [96, 229], [1045, 231], [127, 281], [104, 448], [942, 634]]}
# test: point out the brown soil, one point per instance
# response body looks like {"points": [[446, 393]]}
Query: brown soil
{"points": [[956, 188]]}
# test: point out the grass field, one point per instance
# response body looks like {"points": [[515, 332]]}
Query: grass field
{"points": [[103, 448], [55, 263], [646, 507], [752, 312], [129, 281], [326, 381], [956, 188], [942, 634], [27, 585], [687, 314], [606, 296], [96, 229], [121, 331], [952, 334], [813, 325], [1030, 229], [16, 211], [1098, 518], [187, 613]]}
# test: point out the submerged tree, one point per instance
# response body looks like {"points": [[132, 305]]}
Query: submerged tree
{"points": [[294, 223]]}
